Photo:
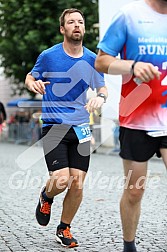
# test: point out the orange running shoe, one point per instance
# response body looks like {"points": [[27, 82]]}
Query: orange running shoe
{"points": [[43, 210], [65, 238]]}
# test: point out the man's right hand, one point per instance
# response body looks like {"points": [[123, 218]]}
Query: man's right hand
{"points": [[37, 87]]}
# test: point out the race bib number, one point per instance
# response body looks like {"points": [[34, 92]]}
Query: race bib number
{"points": [[83, 132], [157, 133]]}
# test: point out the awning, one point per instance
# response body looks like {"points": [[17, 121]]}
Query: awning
{"points": [[25, 103]]}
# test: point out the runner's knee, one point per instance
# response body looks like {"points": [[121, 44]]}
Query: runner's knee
{"points": [[134, 195]]}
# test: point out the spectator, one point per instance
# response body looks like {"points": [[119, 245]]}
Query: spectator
{"points": [[2, 117]]}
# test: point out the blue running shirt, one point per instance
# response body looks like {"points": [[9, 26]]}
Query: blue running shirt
{"points": [[70, 78]]}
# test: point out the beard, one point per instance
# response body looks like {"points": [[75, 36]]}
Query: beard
{"points": [[76, 37]]}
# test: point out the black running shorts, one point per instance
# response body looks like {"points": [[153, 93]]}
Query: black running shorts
{"points": [[136, 145], [62, 148]]}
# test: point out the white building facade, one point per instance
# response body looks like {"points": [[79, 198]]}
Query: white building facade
{"points": [[107, 9]]}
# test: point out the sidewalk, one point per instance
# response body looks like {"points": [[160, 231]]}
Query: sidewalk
{"points": [[97, 224]]}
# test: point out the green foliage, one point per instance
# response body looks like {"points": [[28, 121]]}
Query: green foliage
{"points": [[27, 27]]}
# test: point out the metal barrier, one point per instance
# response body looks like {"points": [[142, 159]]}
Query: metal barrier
{"points": [[28, 133], [96, 132], [23, 133]]}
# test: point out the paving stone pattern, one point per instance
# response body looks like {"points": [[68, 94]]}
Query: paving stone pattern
{"points": [[97, 224]]}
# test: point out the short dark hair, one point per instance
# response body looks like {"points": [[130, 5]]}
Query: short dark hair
{"points": [[69, 11]]}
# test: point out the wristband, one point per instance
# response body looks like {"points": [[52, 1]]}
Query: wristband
{"points": [[132, 67]]}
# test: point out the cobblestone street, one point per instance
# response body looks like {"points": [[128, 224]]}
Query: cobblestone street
{"points": [[97, 224]]}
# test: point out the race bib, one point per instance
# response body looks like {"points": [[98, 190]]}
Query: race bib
{"points": [[157, 133], [83, 132]]}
